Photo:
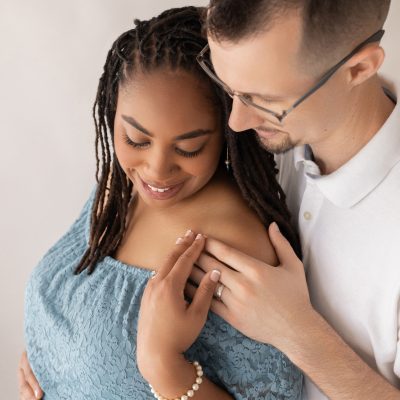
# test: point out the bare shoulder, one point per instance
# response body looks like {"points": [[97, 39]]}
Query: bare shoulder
{"points": [[219, 212], [230, 220]]}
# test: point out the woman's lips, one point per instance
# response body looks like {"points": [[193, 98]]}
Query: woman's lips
{"points": [[161, 193]]}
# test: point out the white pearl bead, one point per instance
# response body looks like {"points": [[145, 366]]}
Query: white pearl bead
{"points": [[190, 392]]}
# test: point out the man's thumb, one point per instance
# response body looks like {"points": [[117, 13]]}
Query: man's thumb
{"points": [[282, 247]]}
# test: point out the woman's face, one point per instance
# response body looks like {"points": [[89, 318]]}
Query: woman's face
{"points": [[167, 136]]}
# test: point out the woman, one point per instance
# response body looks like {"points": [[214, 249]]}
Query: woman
{"points": [[161, 171]]}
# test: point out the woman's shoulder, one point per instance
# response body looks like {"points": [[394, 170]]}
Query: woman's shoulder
{"points": [[225, 215]]}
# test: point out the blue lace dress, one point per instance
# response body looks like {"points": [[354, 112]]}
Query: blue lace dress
{"points": [[80, 333]]}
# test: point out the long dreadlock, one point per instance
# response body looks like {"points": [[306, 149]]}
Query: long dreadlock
{"points": [[173, 40], [255, 171]]}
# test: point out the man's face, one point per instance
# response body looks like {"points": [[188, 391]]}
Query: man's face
{"points": [[269, 67]]}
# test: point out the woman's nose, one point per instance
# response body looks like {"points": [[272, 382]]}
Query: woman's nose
{"points": [[160, 165]]}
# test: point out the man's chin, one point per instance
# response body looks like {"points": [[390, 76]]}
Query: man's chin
{"points": [[275, 147]]}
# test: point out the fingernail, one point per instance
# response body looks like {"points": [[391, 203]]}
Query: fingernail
{"points": [[198, 237], [275, 226], [37, 394], [215, 275], [179, 241], [189, 233]]}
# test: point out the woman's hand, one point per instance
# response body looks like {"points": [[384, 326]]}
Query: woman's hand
{"points": [[29, 388], [268, 304], [168, 325]]}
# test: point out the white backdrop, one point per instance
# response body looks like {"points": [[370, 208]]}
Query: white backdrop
{"points": [[52, 54]]}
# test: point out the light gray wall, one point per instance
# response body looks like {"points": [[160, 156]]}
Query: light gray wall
{"points": [[51, 57]]}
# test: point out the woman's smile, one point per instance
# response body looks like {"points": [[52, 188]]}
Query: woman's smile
{"points": [[160, 192]]}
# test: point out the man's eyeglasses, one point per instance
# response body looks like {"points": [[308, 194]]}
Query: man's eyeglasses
{"points": [[203, 59]]}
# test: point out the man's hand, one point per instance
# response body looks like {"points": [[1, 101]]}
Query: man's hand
{"points": [[266, 303], [29, 388]]}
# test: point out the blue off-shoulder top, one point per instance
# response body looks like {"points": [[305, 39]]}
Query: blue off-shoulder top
{"points": [[80, 333]]}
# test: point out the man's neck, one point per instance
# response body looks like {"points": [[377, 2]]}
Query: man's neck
{"points": [[369, 114]]}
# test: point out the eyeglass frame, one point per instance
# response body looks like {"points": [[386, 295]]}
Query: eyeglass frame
{"points": [[376, 37]]}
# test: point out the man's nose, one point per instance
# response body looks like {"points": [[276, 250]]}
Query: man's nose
{"points": [[244, 117]]}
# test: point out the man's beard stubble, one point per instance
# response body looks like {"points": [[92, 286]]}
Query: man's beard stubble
{"points": [[276, 148]]}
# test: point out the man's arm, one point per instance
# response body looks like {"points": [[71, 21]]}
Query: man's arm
{"points": [[272, 305], [332, 365]]}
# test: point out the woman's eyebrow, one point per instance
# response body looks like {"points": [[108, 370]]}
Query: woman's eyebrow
{"points": [[194, 134], [131, 121], [188, 135]]}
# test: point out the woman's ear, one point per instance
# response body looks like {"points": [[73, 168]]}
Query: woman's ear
{"points": [[365, 64]]}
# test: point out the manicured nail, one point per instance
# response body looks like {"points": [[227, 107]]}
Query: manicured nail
{"points": [[199, 236], [179, 241], [215, 275], [275, 226], [37, 393], [189, 233]]}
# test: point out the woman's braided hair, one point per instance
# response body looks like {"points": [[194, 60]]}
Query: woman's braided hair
{"points": [[171, 40]]}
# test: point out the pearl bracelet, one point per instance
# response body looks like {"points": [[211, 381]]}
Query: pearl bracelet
{"points": [[190, 392]]}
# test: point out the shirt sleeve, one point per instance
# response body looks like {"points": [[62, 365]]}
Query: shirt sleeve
{"points": [[81, 225]]}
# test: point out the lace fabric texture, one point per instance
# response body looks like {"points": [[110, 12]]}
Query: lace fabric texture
{"points": [[80, 333]]}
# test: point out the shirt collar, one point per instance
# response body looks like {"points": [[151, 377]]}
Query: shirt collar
{"points": [[364, 172]]}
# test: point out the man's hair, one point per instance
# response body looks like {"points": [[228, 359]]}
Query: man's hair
{"points": [[171, 40], [330, 27]]}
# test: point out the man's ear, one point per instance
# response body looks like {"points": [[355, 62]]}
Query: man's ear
{"points": [[365, 64]]}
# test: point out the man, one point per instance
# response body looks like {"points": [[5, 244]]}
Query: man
{"points": [[303, 75]]}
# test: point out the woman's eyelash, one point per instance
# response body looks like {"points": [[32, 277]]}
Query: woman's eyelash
{"points": [[183, 153], [189, 154], [134, 144]]}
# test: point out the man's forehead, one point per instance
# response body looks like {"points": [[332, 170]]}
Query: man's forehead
{"points": [[284, 34], [274, 53]]}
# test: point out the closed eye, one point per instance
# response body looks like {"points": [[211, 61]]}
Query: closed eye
{"points": [[183, 153], [189, 154], [128, 140]]}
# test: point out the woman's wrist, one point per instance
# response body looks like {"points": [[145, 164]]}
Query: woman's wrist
{"points": [[172, 376], [190, 392]]}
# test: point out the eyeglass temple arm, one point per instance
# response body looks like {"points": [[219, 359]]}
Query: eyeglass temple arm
{"points": [[376, 37]]}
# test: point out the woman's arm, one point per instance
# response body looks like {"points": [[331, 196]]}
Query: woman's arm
{"points": [[174, 376], [160, 343]]}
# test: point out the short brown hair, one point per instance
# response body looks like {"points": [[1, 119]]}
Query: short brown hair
{"points": [[330, 27]]}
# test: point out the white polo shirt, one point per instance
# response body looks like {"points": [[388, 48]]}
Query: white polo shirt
{"points": [[349, 224]]}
